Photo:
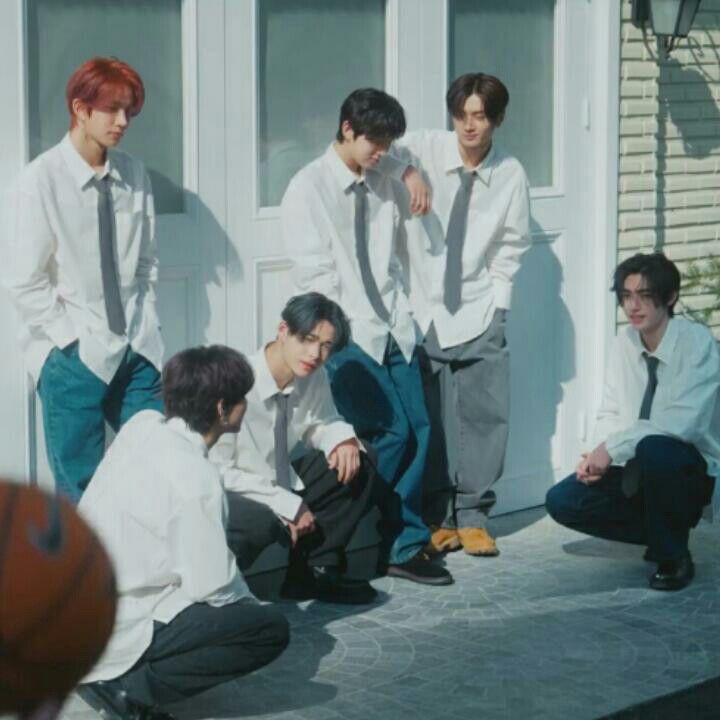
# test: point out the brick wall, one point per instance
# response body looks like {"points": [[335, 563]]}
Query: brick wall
{"points": [[670, 149]]}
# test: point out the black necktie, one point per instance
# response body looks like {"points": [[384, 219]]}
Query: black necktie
{"points": [[108, 267], [631, 473], [455, 239], [282, 456], [361, 250]]}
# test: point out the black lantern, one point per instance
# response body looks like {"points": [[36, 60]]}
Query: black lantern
{"points": [[669, 19]]}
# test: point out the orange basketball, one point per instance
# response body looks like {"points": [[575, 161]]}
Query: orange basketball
{"points": [[57, 598]]}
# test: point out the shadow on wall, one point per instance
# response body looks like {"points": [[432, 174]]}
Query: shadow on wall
{"points": [[697, 130], [541, 338], [193, 268]]}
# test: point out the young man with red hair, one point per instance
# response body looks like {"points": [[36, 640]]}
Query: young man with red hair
{"points": [[81, 268]]}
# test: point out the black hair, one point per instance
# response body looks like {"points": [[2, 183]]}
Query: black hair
{"points": [[493, 92], [196, 379], [660, 273], [303, 312], [372, 113]]}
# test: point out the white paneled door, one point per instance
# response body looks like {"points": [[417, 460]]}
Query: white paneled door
{"points": [[291, 63]]}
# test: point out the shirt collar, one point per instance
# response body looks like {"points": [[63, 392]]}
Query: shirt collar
{"points": [[179, 426], [264, 381], [664, 351], [454, 162], [81, 172], [344, 176]]}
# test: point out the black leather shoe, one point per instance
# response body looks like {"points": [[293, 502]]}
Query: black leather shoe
{"points": [[421, 569], [328, 586], [673, 574], [114, 704]]}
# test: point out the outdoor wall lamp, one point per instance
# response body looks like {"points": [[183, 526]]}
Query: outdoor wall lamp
{"points": [[669, 19]]}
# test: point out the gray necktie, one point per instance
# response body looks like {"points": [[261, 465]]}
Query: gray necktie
{"points": [[455, 239], [631, 473], [108, 268], [282, 456], [647, 401], [361, 250]]}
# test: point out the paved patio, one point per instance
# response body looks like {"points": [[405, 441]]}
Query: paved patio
{"points": [[559, 626]]}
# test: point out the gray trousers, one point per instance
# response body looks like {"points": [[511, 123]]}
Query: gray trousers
{"points": [[467, 393]]}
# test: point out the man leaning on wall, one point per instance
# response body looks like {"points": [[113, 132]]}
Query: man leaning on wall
{"points": [[463, 256], [81, 268]]}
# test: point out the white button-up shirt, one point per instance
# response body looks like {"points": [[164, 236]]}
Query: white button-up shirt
{"points": [[52, 259], [686, 404], [158, 505], [318, 225], [496, 236], [247, 460]]}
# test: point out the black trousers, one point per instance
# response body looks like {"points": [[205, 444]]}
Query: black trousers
{"points": [[337, 509], [202, 647], [674, 488]]}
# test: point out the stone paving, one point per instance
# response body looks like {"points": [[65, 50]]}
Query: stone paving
{"points": [[558, 626]]}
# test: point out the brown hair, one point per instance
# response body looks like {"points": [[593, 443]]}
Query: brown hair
{"points": [[493, 92]]}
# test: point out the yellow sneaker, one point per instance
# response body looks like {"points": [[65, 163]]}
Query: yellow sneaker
{"points": [[477, 541], [443, 540]]}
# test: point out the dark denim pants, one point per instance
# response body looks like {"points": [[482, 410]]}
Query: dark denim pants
{"points": [[674, 488], [385, 404], [76, 403]]}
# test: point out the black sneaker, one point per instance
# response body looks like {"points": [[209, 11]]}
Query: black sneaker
{"points": [[328, 586], [113, 703], [421, 569]]}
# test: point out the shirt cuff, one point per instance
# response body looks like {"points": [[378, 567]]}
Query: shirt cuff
{"points": [[620, 447], [280, 500], [284, 503], [503, 294]]}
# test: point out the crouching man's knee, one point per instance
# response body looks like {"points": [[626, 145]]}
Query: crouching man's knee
{"points": [[560, 500]]}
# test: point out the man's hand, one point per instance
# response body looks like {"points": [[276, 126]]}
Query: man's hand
{"points": [[303, 524], [582, 471], [345, 458], [599, 460], [594, 465], [420, 202]]}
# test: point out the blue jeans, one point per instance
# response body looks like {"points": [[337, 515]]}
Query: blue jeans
{"points": [[674, 488], [76, 403], [385, 405]]}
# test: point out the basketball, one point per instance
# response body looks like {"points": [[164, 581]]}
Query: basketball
{"points": [[57, 598]]}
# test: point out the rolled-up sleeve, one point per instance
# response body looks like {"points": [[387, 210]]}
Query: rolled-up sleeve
{"points": [[241, 470], [326, 429]]}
